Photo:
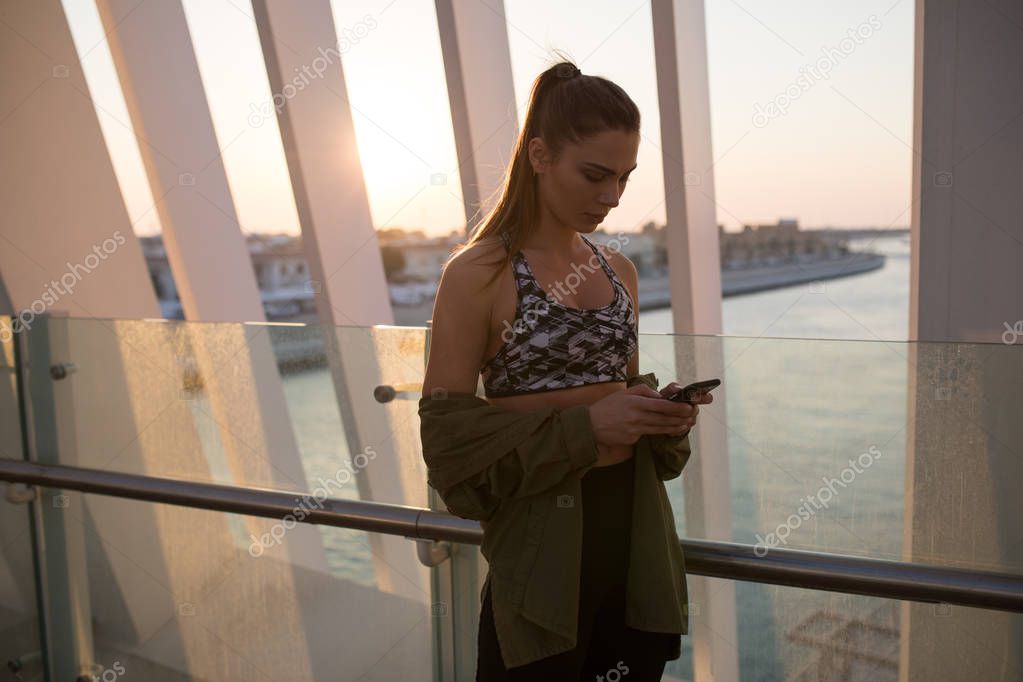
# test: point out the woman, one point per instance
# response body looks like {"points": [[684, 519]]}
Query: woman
{"points": [[549, 321]]}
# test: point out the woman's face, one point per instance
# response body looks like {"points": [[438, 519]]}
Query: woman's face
{"points": [[586, 180]]}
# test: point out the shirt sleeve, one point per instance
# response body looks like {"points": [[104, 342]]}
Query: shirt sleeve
{"points": [[670, 454]]}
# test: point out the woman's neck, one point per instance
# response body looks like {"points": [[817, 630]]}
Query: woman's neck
{"points": [[554, 237]]}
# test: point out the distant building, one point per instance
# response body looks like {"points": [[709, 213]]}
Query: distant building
{"points": [[774, 244], [646, 248], [278, 262], [423, 257], [755, 245], [282, 275]]}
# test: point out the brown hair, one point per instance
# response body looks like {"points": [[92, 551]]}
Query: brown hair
{"points": [[564, 106]]}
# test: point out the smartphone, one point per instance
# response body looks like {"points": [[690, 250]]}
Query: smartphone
{"points": [[689, 393]]}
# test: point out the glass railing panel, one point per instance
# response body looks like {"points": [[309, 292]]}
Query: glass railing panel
{"points": [[895, 450], [179, 594], [10, 419], [376, 377], [906, 451], [253, 405], [197, 401], [805, 446], [787, 633], [266, 405], [20, 649]]}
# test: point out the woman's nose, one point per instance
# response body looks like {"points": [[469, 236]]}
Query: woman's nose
{"points": [[609, 199]]}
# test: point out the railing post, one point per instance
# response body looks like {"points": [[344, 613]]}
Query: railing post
{"points": [[58, 538]]}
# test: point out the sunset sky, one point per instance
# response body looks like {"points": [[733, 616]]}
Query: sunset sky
{"points": [[838, 157]]}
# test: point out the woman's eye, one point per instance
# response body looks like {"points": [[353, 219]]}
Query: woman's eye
{"points": [[601, 179]]}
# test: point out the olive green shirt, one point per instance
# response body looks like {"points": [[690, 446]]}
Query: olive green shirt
{"points": [[518, 474]]}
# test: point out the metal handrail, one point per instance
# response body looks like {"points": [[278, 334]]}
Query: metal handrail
{"points": [[733, 561]]}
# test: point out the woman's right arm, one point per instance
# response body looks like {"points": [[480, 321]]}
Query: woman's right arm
{"points": [[461, 324]]}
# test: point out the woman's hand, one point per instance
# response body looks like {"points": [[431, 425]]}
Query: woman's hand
{"points": [[701, 399], [622, 417]]}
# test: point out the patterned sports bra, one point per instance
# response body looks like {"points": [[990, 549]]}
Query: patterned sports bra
{"points": [[552, 346]]}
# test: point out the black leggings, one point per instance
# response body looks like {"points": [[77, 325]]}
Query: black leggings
{"points": [[607, 649]]}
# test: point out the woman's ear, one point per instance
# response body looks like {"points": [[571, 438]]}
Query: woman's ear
{"points": [[537, 152]]}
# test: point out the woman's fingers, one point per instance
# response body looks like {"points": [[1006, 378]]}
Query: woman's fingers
{"points": [[666, 416], [670, 390], [643, 390], [674, 431], [674, 387], [669, 407], [665, 422], [659, 416]]}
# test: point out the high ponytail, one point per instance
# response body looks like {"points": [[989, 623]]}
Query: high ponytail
{"points": [[565, 105]]}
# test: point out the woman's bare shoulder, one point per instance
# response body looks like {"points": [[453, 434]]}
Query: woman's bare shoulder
{"points": [[475, 264]]}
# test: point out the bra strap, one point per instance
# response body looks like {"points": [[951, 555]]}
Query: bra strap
{"points": [[524, 281], [605, 266]]}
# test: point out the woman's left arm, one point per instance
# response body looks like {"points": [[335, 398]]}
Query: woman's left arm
{"points": [[670, 452], [626, 271]]}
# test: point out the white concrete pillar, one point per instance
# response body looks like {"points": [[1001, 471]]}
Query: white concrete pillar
{"points": [[966, 285], [680, 56], [66, 241], [967, 239], [303, 62], [156, 65], [484, 114]]}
